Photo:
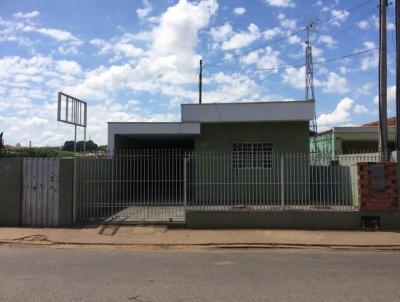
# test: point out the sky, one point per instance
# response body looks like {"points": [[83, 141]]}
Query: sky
{"points": [[137, 60]]}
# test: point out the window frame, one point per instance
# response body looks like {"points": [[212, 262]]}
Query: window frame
{"points": [[255, 161]]}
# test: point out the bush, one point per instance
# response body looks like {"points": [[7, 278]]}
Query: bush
{"points": [[35, 152], [90, 146]]}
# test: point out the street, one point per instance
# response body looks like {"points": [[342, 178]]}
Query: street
{"points": [[47, 274]]}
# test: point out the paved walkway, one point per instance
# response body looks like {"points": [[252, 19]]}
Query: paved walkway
{"points": [[163, 236]]}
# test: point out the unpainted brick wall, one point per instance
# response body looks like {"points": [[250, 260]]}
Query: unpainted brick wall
{"points": [[371, 200]]}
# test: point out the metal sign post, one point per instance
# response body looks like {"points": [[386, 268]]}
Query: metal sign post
{"points": [[73, 111]]}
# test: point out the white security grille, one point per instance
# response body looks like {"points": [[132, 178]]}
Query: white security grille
{"points": [[161, 185], [252, 155]]}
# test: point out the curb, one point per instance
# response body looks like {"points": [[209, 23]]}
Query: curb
{"points": [[222, 246]]}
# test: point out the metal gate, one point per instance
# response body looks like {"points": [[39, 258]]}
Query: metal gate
{"points": [[40, 192], [134, 186]]}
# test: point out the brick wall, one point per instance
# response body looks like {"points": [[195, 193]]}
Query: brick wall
{"points": [[371, 199]]}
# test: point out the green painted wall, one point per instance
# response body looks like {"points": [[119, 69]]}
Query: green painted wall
{"points": [[327, 220], [215, 181], [332, 143], [10, 191], [322, 143], [285, 136]]}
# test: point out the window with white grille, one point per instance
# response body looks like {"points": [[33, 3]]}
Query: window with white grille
{"points": [[252, 155]]}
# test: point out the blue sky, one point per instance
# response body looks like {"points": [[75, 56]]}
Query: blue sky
{"points": [[138, 60]]}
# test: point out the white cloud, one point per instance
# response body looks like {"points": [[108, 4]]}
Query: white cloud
{"points": [[286, 23], [244, 88], [163, 69], [339, 16], [57, 34], [391, 95], [327, 40], [371, 60], [221, 33], [262, 58], [239, 11], [68, 67], [145, 10], [368, 45], [272, 32], [360, 109], [295, 77], [169, 61], [14, 31], [294, 39], [280, 3], [243, 38], [341, 114], [335, 84], [29, 15], [119, 47], [365, 89], [363, 24]]}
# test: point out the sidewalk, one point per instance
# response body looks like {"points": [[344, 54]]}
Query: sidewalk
{"points": [[164, 237]]}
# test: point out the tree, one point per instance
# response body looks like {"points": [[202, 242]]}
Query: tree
{"points": [[90, 146]]}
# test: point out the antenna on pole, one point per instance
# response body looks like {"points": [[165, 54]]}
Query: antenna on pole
{"points": [[200, 81], [309, 61], [309, 70]]}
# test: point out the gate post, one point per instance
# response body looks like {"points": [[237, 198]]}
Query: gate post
{"points": [[282, 181], [397, 154], [185, 160], [74, 201]]}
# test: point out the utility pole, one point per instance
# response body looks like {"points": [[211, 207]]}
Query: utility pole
{"points": [[397, 74], [309, 70], [383, 135], [200, 81]]}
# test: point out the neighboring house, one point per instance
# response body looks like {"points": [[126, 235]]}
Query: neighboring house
{"points": [[345, 140], [229, 127]]}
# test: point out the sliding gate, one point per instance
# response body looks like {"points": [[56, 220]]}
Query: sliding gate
{"points": [[133, 186]]}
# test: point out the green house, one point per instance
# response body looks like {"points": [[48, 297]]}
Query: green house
{"points": [[224, 153], [282, 127], [347, 140]]}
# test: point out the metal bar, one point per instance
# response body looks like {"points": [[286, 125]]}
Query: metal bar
{"points": [[282, 181]]}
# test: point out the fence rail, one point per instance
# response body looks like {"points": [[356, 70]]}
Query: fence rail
{"points": [[160, 185]]}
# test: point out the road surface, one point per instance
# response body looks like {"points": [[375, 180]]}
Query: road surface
{"points": [[48, 274]]}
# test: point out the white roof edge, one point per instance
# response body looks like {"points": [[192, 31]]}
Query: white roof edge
{"points": [[146, 123], [249, 112], [241, 103], [145, 128]]}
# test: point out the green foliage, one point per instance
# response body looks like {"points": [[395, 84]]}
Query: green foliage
{"points": [[90, 146], [35, 152]]}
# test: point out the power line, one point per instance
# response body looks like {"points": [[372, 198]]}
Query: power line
{"points": [[296, 32], [302, 65], [319, 44]]}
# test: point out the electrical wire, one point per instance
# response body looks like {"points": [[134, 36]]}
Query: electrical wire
{"points": [[345, 11], [337, 34], [302, 65]]}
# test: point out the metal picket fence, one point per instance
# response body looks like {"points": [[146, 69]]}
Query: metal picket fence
{"points": [[161, 185]]}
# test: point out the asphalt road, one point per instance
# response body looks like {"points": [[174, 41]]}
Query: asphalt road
{"points": [[44, 274]]}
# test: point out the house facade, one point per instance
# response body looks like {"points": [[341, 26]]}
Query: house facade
{"points": [[233, 151], [279, 127]]}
